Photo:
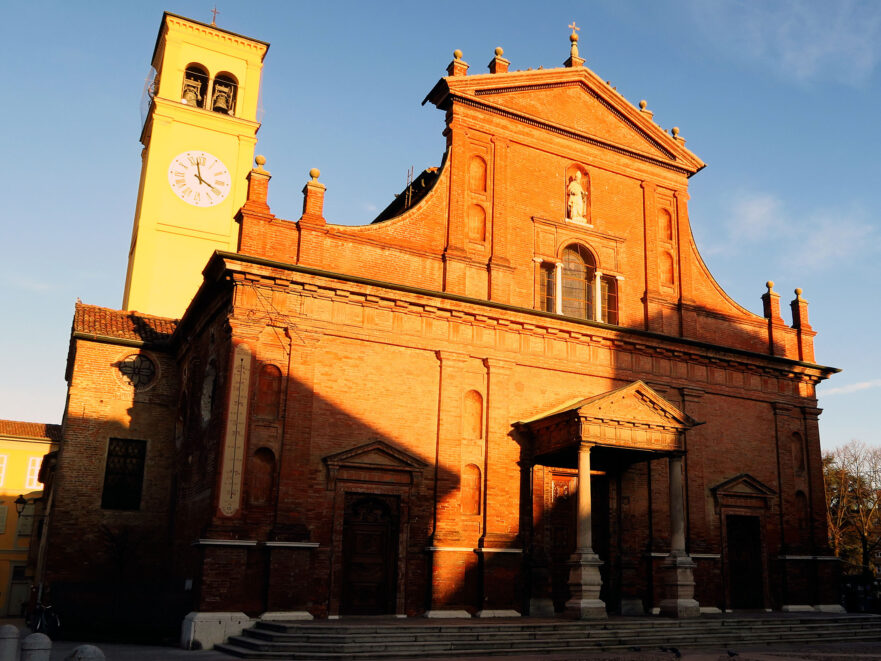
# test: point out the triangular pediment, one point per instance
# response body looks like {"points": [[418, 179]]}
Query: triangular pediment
{"points": [[743, 485], [635, 403], [375, 454], [569, 101], [576, 107]]}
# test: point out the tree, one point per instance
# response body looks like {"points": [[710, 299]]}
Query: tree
{"points": [[853, 495]]}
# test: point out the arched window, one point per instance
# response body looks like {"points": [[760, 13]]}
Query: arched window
{"points": [[665, 225], [195, 86], [470, 490], [547, 297], [798, 452], [268, 392], [472, 415], [578, 282], [223, 96], [477, 175], [667, 269], [801, 511], [476, 223], [261, 476]]}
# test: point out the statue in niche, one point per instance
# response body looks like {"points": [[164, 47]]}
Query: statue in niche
{"points": [[192, 95], [222, 98], [576, 198]]}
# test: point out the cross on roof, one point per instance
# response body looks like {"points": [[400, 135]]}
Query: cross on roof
{"points": [[214, 13], [574, 27]]}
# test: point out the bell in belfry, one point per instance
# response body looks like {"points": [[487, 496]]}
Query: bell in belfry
{"points": [[222, 97]]}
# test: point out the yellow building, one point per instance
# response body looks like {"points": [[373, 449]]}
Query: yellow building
{"points": [[198, 140], [22, 447]]}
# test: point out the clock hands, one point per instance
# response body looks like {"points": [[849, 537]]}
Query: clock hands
{"points": [[202, 181]]}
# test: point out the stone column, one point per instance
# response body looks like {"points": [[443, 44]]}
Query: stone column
{"points": [[584, 572], [558, 287], [598, 296], [678, 566]]}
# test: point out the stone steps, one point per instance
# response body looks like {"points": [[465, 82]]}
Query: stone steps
{"points": [[333, 640]]}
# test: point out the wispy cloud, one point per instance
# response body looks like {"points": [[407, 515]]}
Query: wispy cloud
{"points": [[26, 284], [820, 239], [803, 40], [853, 387]]}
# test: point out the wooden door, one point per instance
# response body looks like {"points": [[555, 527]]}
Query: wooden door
{"points": [[562, 514], [745, 574], [370, 540]]}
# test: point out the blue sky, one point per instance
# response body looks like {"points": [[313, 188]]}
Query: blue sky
{"points": [[780, 99]]}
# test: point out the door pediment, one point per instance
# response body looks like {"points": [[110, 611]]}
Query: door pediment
{"points": [[634, 417], [376, 461], [742, 491]]}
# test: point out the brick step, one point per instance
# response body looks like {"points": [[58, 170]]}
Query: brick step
{"points": [[645, 646], [275, 640], [323, 628], [482, 636], [409, 634], [610, 639]]}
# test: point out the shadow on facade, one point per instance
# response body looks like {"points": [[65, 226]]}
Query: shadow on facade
{"points": [[337, 516]]}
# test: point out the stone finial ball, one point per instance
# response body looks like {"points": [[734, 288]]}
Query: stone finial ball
{"points": [[260, 160], [675, 131], [315, 173], [642, 104], [770, 284], [499, 51], [798, 291], [457, 54], [573, 37]]}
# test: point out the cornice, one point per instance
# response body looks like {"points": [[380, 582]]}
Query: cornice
{"points": [[534, 322]]}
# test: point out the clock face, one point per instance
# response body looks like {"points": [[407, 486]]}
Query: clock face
{"points": [[198, 178]]}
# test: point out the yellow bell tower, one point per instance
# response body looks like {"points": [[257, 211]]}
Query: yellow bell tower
{"points": [[199, 140]]}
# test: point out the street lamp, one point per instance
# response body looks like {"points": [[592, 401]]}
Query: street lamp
{"points": [[20, 503]]}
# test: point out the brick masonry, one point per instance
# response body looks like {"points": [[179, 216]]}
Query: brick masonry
{"points": [[387, 367]]}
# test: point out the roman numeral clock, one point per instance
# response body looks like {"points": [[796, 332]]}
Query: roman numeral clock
{"points": [[198, 178]]}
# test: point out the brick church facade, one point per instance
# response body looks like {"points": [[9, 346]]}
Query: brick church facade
{"points": [[518, 391]]}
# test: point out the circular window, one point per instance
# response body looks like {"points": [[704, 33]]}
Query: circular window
{"points": [[137, 370]]}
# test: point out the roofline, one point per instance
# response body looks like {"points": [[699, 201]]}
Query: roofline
{"points": [[123, 341], [166, 14], [262, 261]]}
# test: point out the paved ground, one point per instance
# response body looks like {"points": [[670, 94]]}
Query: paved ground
{"points": [[813, 652]]}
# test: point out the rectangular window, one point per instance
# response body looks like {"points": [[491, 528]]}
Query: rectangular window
{"points": [[33, 478], [609, 286], [2, 469], [547, 289], [124, 474]]}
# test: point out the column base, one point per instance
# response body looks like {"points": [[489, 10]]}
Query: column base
{"points": [[679, 599], [585, 584], [442, 614], [285, 616], [541, 608]]}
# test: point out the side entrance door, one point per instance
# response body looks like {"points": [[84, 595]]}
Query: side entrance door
{"points": [[745, 561], [370, 555]]}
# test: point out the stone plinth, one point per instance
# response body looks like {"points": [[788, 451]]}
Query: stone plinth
{"points": [[584, 585], [679, 598]]}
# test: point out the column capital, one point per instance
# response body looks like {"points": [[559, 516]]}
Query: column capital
{"points": [[450, 356], [811, 411], [782, 408], [496, 365], [692, 394]]}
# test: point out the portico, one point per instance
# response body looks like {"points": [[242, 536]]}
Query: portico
{"points": [[619, 428]]}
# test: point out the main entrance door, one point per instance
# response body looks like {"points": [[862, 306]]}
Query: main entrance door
{"points": [[745, 561], [370, 555]]}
